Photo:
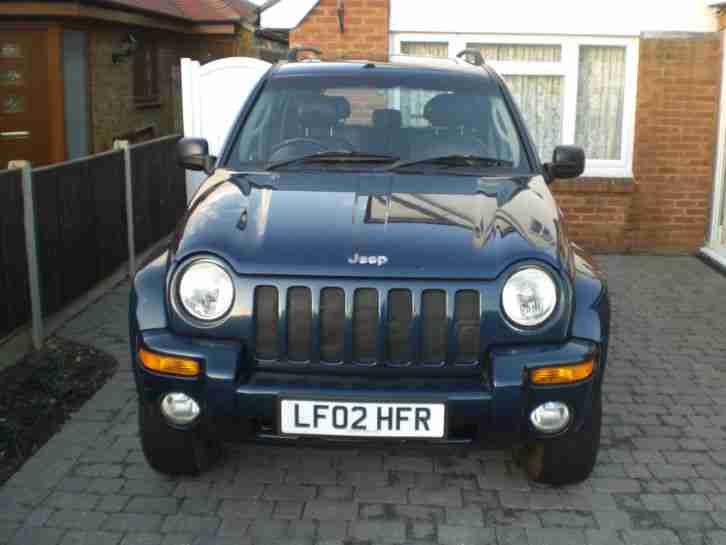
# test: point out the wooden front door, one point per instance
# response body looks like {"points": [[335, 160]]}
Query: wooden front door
{"points": [[24, 104]]}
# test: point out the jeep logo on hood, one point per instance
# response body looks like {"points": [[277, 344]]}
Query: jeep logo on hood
{"points": [[379, 260]]}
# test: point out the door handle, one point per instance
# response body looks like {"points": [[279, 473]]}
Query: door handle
{"points": [[14, 135]]}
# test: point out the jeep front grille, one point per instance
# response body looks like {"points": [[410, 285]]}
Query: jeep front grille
{"points": [[366, 326]]}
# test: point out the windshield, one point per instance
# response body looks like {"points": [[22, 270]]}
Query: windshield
{"points": [[386, 114]]}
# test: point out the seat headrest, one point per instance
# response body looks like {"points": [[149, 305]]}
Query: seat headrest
{"points": [[387, 119], [323, 111], [452, 110], [343, 107]]}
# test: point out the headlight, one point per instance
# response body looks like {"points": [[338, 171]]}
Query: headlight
{"points": [[529, 297], [206, 291]]}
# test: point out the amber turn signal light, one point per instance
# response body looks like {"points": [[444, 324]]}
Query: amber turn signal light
{"points": [[169, 365], [563, 374]]}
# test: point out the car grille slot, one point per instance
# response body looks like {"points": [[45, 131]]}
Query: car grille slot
{"points": [[466, 326], [365, 325], [398, 338], [299, 324], [332, 325], [266, 321], [433, 334]]}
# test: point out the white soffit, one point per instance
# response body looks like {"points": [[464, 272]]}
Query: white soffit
{"points": [[286, 14], [561, 17]]}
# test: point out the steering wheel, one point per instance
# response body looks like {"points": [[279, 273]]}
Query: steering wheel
{"points": [[324, 146]]}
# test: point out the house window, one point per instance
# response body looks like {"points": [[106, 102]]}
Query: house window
{"points": [[600, 98], [425, 49], [571, 90], [519, 52], [540, 101], [412, 104], [146, 74]]}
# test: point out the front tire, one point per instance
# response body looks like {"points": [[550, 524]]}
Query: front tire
{"points": [[172, 451], [568, 459]]}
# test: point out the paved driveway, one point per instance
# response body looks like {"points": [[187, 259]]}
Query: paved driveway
{"points": [[660, 479]]}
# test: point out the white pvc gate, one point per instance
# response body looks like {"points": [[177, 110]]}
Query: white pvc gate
{"points": [[212, 96]]}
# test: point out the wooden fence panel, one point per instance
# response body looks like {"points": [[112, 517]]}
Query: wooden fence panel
{"points": [[82, 230], [15, 308], [159, 191], [80, 210]]}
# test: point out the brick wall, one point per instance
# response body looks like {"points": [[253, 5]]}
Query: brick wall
{"points": [[365, 36], [113, 111], [666, 207], [675, 141], [597, 211]]}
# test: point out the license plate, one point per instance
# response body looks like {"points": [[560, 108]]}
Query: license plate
{"points": [[354, 419]]}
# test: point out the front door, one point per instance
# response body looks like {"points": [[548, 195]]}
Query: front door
{"points": [[24, 108]]}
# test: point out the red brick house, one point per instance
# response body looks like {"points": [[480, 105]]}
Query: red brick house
{"points": [[637, 84], [75, 75]]}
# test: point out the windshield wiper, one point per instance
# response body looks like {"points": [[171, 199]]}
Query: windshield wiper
{"points": [[454, 160], [335, 157]]}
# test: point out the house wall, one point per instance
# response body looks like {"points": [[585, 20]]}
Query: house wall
{"points": [[584, 17], [675, 141], [366, 30], [665, 208], [113, 111]]}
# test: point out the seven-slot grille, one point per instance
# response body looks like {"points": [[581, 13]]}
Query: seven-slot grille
{"points": [[367, 326]]}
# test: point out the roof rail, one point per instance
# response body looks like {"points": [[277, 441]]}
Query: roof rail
{"points": [[422, 58], [292, 55], [472, 56]]}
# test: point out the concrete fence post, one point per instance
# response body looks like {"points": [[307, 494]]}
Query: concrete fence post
{"points": [[31, 251], [124, 145]]}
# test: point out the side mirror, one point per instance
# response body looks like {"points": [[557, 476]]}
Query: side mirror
{"points": [[193, 154], [567, 162]]}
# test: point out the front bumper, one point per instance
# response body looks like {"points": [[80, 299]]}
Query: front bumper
{"points": [[492, 407]]}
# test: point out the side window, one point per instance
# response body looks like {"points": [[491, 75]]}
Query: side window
{"points": [[253, 141], [504, 134]]}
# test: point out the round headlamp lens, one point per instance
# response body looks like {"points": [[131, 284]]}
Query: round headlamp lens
{"points": [[529, 297], [206, 291]]}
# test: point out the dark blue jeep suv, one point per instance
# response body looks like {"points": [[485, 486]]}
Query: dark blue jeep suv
{"points": [[375, 256]]}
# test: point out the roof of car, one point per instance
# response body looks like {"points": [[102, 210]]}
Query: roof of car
{"points": [[417, 65]]}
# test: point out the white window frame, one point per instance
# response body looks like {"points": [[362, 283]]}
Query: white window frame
{"points": [[567, 68]]}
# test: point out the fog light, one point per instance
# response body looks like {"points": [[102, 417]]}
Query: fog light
{"points": [[179, 408], [550, 417]]}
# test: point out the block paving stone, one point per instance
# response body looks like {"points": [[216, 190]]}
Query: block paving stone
{"points": [[660, 477]]}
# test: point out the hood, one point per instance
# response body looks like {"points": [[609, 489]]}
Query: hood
{"points": [[372, 224]]}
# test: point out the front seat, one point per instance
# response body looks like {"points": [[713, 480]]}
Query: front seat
{"points": [[454, 119], [386, 135], [318, 118]]}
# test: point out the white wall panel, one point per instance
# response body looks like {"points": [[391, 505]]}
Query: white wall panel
{"points": [[573, 17]]}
